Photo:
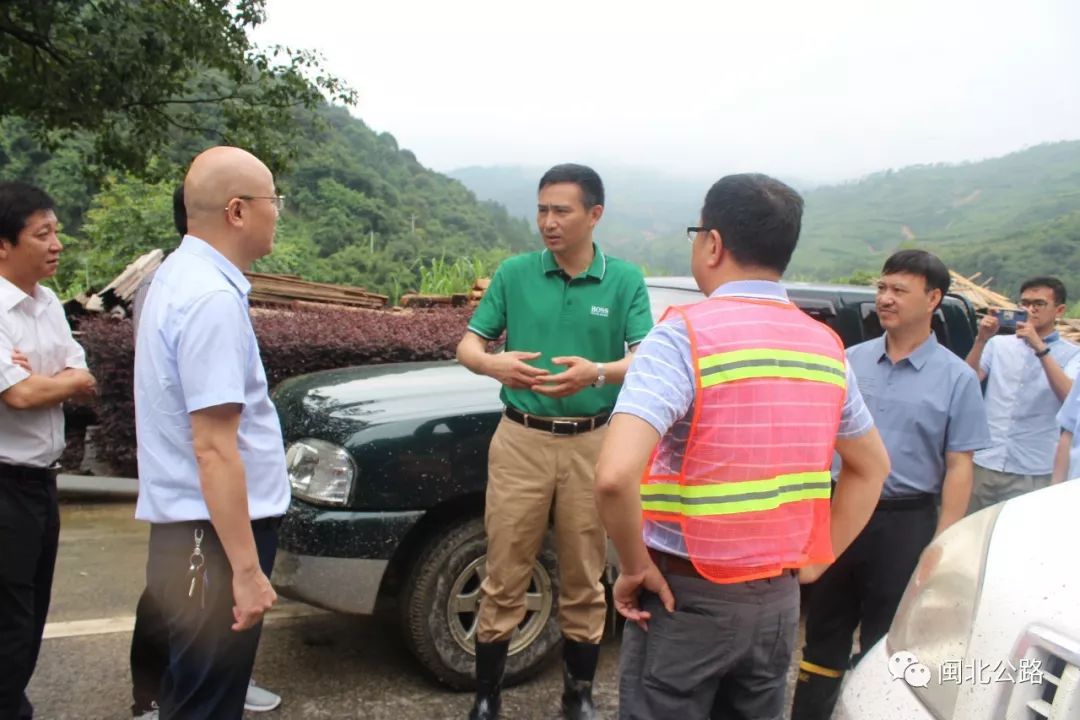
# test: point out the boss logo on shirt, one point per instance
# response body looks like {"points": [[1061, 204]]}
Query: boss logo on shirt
{"points": [[599, 311]]}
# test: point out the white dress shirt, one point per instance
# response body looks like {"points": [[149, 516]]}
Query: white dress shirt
{"points": [[36, 327], [196, 349]]}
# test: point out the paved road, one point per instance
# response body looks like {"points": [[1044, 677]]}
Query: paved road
{"points": [[324, 665]]}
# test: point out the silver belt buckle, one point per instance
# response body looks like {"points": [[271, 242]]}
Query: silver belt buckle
{"points": [[569, 423]]}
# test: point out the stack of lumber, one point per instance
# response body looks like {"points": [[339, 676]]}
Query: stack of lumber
{"points": [[420, 300], [478, 290], [286, 289], [980, 295], [121, 290], [1069, 329]]}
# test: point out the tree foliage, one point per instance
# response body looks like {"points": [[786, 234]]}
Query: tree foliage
{"points": [[360, 211], [130, 76]]}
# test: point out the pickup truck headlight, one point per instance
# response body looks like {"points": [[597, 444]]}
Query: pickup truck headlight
{"points": [[935, 617], [319, 471]]}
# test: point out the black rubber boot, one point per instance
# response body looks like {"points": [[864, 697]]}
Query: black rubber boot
{"points": [[816, 692], [579, 668], [490, 664]]}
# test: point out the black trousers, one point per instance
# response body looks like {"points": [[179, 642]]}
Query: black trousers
{"points": [[149, 654], [864, 586], [209, 665], [29, 536]]}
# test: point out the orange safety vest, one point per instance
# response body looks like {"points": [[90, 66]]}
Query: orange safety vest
{"points": [[749, 486]]}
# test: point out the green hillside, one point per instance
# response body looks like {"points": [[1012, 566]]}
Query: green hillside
{"points": [[1008, 218], [359, 209]]}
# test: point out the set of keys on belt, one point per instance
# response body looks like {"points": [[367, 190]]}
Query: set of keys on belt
{"points": [[196, 572]]}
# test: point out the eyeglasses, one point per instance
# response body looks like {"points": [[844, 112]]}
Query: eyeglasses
{"points": [[1034, 304], [692, 233], [277, 200]]}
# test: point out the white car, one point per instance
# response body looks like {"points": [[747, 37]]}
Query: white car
{"points": [[989, 626]]}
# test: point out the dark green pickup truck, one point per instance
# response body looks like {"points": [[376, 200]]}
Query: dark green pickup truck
{"points": [[388, 466]]}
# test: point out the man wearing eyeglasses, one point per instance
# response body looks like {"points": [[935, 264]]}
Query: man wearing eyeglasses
{"points": [[1028, 375], [713, 481], [212, 479]]}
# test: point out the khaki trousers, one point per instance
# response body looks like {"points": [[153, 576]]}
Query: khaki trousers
{"points": [[993, 486], [534, 475]]}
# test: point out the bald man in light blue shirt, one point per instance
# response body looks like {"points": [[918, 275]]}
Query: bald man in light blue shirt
{"points": [[212, 478]]}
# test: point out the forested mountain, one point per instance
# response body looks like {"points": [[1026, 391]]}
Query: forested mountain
{"points": [[1008, 218], [359, 209]]}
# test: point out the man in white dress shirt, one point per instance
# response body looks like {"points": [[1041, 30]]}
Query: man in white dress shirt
{"points": [[212, 479], [41, 366]]}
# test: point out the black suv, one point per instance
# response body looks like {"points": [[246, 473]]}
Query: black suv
{"points": [[388, 465]]}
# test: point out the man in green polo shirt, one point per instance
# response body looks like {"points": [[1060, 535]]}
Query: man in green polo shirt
{"points": [[570, 314]]}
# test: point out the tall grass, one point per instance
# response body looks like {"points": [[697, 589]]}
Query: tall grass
{"points": [[444, 277]]}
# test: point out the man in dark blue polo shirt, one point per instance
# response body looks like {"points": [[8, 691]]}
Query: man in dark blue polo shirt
{"points": [[928, 406]]}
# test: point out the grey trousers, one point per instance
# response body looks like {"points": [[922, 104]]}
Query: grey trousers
{"points": [[724, 653], [993, 486]]}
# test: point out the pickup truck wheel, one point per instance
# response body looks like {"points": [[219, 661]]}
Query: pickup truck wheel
{"points": [[442, 599]]}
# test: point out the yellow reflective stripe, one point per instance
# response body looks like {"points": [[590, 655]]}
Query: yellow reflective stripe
{"points": [[719, 490], [771, 371], [732, 498], [709, 361], [819, 670]]}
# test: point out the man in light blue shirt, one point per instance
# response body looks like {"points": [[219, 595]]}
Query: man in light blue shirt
{"points": [[928, 407], [212, 478], [1027, 375], [1067, 456]]}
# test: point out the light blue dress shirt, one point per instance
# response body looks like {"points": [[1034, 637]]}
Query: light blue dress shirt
{"points": [[1020, 405], [924, 406], [660, 386], [1069, 420], [197, 349]]}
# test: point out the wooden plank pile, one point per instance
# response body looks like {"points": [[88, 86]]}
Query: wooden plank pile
{"points": [[420, 300], [121, 291], [266, 289], [286, 289], [980, 295], [1069, 329]]}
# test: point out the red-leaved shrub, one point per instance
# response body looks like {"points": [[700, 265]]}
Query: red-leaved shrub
{"points": [[291, 341]]}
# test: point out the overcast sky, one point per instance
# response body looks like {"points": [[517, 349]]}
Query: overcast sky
{"points": [[817, 90]]}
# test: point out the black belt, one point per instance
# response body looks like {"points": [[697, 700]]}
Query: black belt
{"points": [[557, 427], [907, 502], [25, 472], [267, 523], [675, 565]]}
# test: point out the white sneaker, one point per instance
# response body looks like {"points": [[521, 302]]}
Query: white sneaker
{"points": [[148, 715], [258, 699]]}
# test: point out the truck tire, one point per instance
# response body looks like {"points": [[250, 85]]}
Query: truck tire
{"points": [[440, 602]]}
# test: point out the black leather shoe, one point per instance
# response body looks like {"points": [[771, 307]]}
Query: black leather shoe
{"points": [[578, 671], [490, 665]]}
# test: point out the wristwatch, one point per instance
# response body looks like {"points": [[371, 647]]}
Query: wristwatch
{"points": [[600, 379], [1044, 352]]}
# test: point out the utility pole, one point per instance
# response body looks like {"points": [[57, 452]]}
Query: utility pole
{"points": [[414, 223], [372, 242]]}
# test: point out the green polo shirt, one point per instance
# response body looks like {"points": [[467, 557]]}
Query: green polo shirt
{"points": [[595, 315]]}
